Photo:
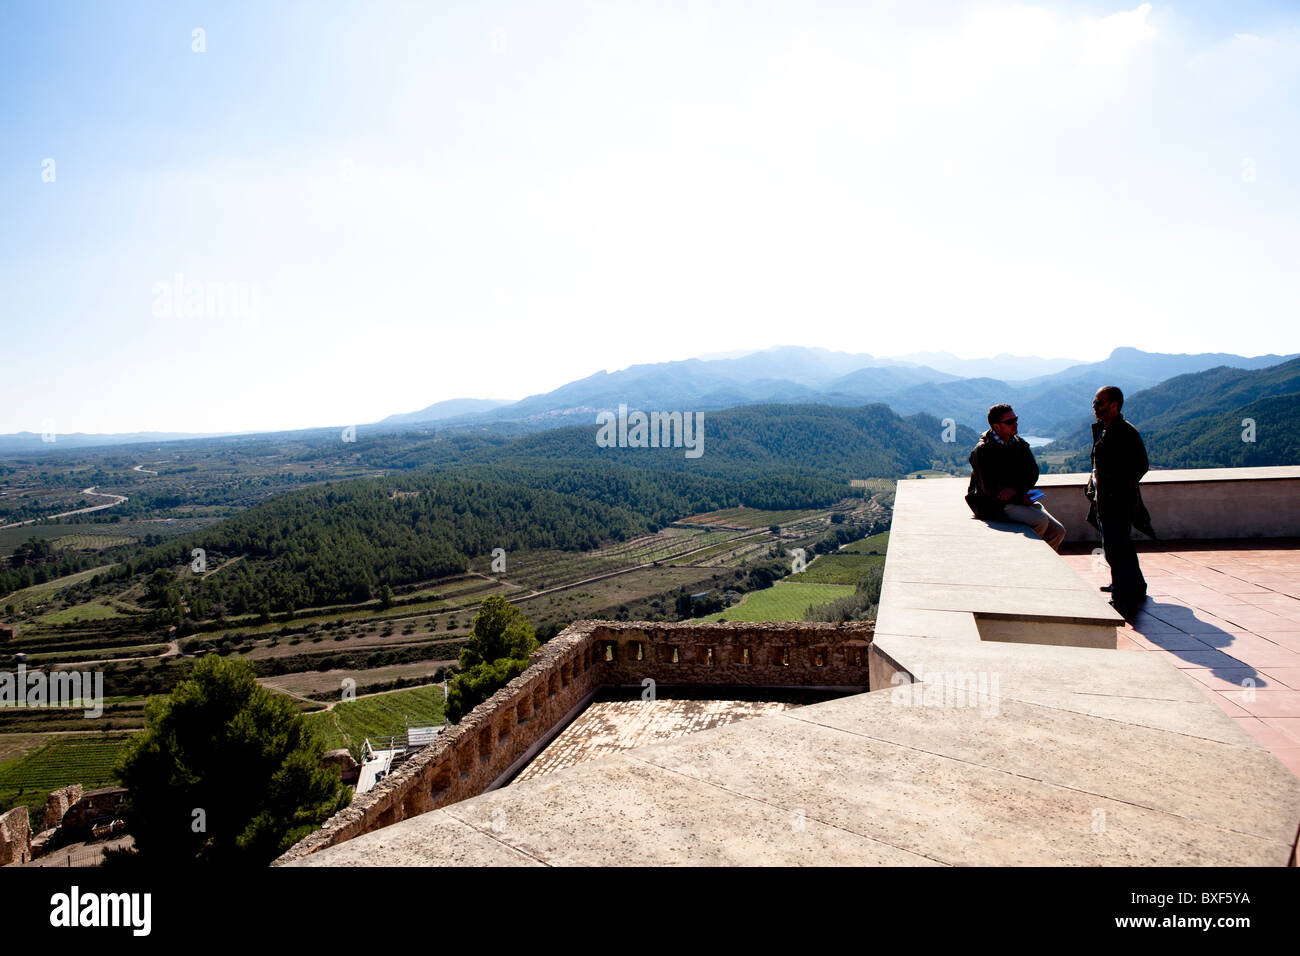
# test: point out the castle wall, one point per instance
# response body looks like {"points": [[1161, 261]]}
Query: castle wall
{"points": [[499, 735], [15, 837]]}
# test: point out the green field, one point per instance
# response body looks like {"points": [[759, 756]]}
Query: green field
{"points": [[81, 612], [877, 542], [380, 715], [784, 601], [849, 565], [88, 760], [838, 568]]}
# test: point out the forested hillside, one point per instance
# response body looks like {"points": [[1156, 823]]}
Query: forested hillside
{"points": [[739, 443], [462, 497], [1208, 419], [341, 542]]}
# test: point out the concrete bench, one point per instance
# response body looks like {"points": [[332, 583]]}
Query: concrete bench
{"points": [[949, 574]]}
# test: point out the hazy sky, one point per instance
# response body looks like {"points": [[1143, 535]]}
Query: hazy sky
{"points": [[433, 200]]}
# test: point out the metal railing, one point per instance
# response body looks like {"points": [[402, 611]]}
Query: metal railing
{"points": [[86, 856]]}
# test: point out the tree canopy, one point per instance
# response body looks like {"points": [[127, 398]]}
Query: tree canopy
{"points": [[496, 652], [500, 630], [225, 772]]}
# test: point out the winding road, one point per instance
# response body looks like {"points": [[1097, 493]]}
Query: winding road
{"points": [[117, 500]]}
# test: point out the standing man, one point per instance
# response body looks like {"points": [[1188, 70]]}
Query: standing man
{"points": [[1119, 460], [1002, 470]]}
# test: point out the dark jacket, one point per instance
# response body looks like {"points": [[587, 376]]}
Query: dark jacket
{"points": [[1119, 460], [994, 466]]}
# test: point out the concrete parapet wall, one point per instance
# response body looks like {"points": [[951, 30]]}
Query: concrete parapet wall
{"points": [[1193, 503], [494, 739]]}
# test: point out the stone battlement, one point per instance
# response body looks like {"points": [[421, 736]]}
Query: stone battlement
{"points": [[499, 736]]}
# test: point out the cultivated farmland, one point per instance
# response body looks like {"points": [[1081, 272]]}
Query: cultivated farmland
{"points": [[784, 601], [88, 760]]}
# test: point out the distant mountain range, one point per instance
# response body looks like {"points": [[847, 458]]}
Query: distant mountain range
{"points": [[452, 408], [1219, 417], [1049, 404], [1003, 366], [25, 442], [1051, 396]]}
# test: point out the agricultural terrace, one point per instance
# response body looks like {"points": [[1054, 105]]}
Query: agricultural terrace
{"points": [[90, 760], [783, 601]]}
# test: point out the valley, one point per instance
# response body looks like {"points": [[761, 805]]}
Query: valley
{"points": [[325, 572]]}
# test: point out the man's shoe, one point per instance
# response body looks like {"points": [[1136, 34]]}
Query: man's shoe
{"points": [[1104, 587]]}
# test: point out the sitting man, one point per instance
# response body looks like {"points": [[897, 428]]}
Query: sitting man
{"points": [[1002, 470]]}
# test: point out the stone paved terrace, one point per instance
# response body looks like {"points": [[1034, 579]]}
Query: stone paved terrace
{"points": [[1075, 753], [1227, 615]]}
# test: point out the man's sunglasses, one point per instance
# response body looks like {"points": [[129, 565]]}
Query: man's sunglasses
{"points": [[1009, 421]]}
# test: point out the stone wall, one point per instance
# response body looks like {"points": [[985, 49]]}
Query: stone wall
{"points": [[94, 806], [499, 735], [58, 803], [15, 837], [465, 760], [735, 654]]}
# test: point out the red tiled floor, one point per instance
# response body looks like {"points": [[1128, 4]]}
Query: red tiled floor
{"points": [[1153, 625], [1290, 726], [1227, 706], [1177, 641], [1224, 679], [1242, 587], [1278, 603], [1225, 613], [1280, 638], [1254, 618], [1286, 676], [1259, 652], [1267, 703], [1209, 658], [1288, 639], [1265, 734], [1290, 756], [1283, 624]]}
